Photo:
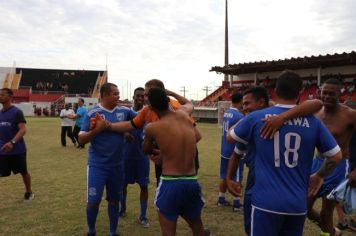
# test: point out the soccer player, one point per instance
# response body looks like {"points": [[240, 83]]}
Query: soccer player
{"points": [[256, 99], [12, 144], [284, 162], [231, 116], [341, 122], [253, 99], [105, 162], [179, 192], [79, 116], [147, 115], [137, 165]]}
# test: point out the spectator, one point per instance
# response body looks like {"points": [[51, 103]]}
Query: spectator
{"points": [[67, 115]]}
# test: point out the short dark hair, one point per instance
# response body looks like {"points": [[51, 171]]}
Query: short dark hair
{"points": [[158, 99], [138, 89], [333, 81], [154, 83], [106, 88], [236, 98], [258, 93], [8, 91], [289, 84], [82, 100]]}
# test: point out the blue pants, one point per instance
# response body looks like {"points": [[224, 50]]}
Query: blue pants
{"points": [[137, 171], [98, 177], [265, 223], [179, 197], [247, 213]]}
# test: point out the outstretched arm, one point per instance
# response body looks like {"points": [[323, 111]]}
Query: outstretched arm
{"points": [[273, 123], [122, 127], [187, 105]]}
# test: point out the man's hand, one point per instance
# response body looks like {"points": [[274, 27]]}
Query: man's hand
{"points": [[315, 182], [100, 123], [352, 179], [129, 137], [7, 147], [271, 125], [234, 188]]}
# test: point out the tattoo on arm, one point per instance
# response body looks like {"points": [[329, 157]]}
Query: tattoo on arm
{"points": [[328, 167]]}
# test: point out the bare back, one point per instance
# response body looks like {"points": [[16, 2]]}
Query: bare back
{"points": [[341, 123], [175, 136]]}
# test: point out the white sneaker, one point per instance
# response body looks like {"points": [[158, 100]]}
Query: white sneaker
{"points": [[143, 222], [29, 197]]}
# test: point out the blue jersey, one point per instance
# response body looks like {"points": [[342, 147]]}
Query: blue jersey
{"points": [[284, 162], [133, 150], [231, 117], [106, 149]]}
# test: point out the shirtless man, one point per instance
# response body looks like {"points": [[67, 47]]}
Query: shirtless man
{"points": [[341, 122], [179, 192]]}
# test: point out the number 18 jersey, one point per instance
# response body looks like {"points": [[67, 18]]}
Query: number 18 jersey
{"points": [[283, 164]]}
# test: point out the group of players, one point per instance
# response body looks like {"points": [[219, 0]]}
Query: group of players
{"points": [[112, 165], [277, 144]]}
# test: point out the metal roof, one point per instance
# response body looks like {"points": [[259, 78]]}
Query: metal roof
{"points": [[328, 60]]}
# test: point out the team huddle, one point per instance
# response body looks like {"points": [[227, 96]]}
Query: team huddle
{"points": [[277, 143]]}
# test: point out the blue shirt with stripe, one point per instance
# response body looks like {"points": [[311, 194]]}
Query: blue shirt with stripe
{"points": [[231, 117], [283, 164], [107, 148]]}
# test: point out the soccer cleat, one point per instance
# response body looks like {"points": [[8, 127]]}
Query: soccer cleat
{"points": [[144, 222], [223, 203], [29, 196], [237, 208], [89, 234]]}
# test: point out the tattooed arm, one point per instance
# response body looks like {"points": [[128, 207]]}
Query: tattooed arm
{"points": [[317, 179]]}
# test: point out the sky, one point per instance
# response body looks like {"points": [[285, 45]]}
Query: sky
{"points": [[176, 41]]}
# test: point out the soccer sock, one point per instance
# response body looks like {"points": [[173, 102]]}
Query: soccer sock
{"points": [[237, 201], [221, 197], [113, 211], [92, 213], [143, 205]]}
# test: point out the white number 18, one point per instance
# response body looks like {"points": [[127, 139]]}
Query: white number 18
{"points": [[289, 149]]}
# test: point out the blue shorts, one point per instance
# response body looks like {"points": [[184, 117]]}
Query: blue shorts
{"points": [[177, 196], [137, 171], [333, 180], [223, 170], [98, 177], [247, 213], [267, 223]]}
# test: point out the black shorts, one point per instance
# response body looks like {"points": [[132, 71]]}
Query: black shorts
{"points": [[14, 163]]}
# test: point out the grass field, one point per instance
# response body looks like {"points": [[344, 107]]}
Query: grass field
{"points": [[59, 183]]}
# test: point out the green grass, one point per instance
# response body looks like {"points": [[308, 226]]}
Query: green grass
{"points": [[59, 182]]}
